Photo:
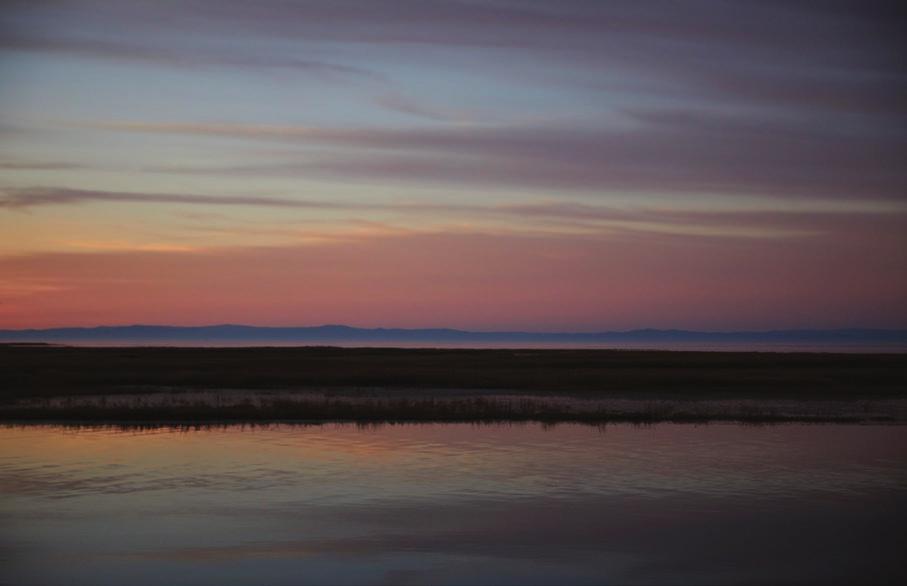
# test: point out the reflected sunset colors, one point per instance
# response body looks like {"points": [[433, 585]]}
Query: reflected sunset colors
{"points": [[444, 504]]}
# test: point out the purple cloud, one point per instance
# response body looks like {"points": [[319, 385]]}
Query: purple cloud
{"points": [[665, 151]]}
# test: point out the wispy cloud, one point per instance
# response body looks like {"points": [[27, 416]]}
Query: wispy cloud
{"points": [[419, 109], [664, 150], [32, 197], [554, 216], [186, 58], [602, 153], [39, 166], [717, 97], [843, 57]]}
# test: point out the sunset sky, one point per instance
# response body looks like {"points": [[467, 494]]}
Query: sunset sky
{"points": [[511, 164]]}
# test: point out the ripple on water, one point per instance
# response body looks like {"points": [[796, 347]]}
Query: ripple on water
{"points": [[513, 503], [339, 462]]}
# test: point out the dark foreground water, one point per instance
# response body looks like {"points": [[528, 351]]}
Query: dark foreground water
{"points": [[454, 504]]}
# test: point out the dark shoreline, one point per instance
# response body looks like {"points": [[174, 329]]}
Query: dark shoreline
{"points": [[176, 419], [377, 385]]}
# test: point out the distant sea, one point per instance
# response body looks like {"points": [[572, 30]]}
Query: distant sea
{"points": [[228, 335]]}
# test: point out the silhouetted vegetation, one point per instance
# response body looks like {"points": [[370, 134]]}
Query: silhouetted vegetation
{"points": [[382, 384], [486, 409]]}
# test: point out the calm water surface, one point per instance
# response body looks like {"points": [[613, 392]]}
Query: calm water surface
{"points": [[453, 504]]}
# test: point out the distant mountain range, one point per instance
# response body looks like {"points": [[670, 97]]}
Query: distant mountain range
{"points": [[339, 334]]}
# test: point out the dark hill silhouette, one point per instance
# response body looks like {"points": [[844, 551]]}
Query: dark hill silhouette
{"points": [[327, 334]]}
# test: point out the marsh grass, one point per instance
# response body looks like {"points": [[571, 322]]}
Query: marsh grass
{"points": [[431, 409], [428, 385]]}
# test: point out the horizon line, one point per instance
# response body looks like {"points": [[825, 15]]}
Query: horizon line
{"points": [[462, 330]]}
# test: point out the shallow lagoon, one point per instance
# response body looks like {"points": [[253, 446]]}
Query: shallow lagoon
{"points": [[453, 504]]}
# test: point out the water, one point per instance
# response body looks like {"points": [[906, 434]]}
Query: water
{"points": [[453, 504]]}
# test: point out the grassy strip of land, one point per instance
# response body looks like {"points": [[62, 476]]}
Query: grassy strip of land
{"points": [[483, 409], [386, 384]]}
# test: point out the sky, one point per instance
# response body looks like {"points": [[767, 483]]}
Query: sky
{"points": [[496, 164]]}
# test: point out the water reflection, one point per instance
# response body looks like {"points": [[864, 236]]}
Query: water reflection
{"points": [[452, 503]]}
